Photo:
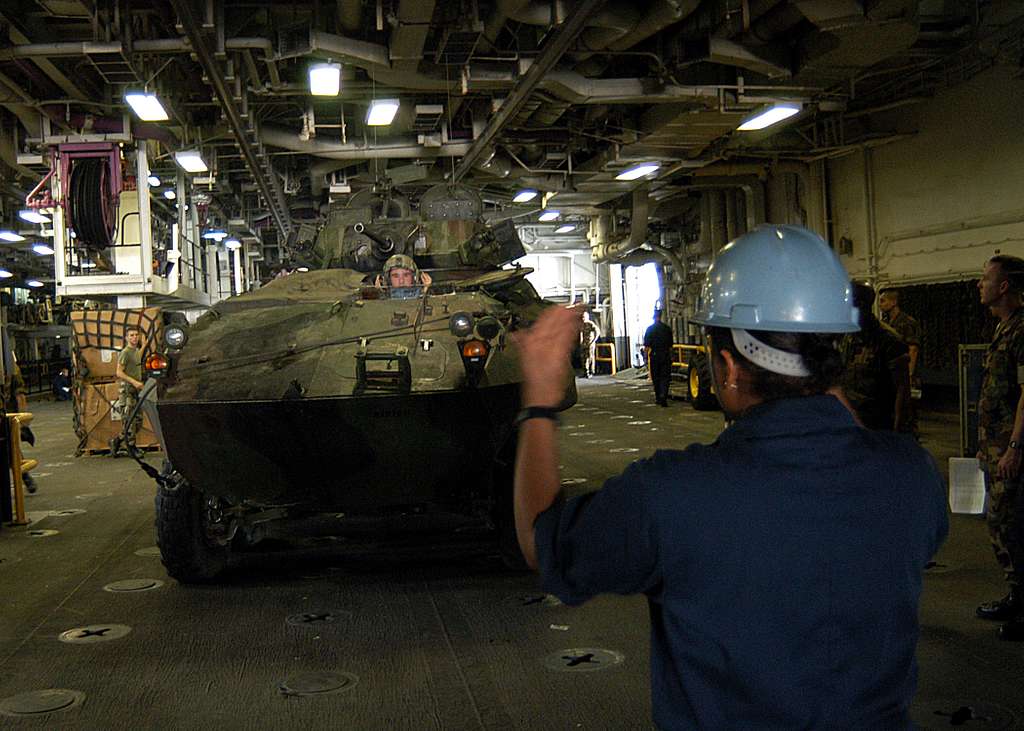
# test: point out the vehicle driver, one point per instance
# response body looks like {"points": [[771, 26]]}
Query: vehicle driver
{"points": [[403, 278]]}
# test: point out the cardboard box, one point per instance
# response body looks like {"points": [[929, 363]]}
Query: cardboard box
{"points": [[99, 336], [98, 421]]}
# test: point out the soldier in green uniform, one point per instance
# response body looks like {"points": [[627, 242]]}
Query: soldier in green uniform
{"points": [[129, 374], [910, 332], [875, 377], [1000, 433]]}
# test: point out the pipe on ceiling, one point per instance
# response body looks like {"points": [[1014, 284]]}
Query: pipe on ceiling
{"points": [[405, 147], [604, 252]]}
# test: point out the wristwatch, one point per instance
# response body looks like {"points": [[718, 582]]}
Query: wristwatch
{"points": [[537, 412]]}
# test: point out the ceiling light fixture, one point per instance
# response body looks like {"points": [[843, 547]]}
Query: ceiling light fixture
{"points": [[42, 249], [4, 274], [550, 215], [32, 216], [325, 79], [215, 235], [567, 228], [191, 161], [768, 116], [154, 181], [11, 236], [525, 195], [638, 171], [34, 283], [170, 194], [146, 106], [232, 244], [88, 265], [381, 112]]}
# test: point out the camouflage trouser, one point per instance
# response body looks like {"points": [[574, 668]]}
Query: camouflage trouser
{"points": [[126, 401], [1005, 518]]}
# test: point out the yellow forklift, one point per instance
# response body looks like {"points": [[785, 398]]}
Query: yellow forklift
{"points": [[690, 365]]}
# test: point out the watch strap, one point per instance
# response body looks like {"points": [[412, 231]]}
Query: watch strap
{"points": [[537, 412]]}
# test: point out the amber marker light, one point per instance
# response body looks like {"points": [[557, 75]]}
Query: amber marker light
{"points": [[474, 349], [156, 362]]}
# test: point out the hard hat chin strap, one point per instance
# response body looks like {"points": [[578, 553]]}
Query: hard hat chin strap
{"points": [[769, 358]]}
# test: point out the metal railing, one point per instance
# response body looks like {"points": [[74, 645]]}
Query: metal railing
{"points": [[610, 359]]}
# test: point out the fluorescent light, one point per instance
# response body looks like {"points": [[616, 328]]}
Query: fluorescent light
{"points": [[232, 244], [34, 283], [769, 116], [154, 181], [88, 265], [146, 106], [170, 194], [302, 269], [638, 171], [325, 79], [215, 235], [525, 195], [32, 216], [4, 274], [550, 215], [42, 249], [190, 161], [381, 112], [567, 228], [11, 236]]}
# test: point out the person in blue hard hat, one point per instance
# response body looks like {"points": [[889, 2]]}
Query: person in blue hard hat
{"points": [[783, 563]]}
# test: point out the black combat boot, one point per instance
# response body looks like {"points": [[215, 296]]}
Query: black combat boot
{"points": [[1001, 610], [1013, 631]]}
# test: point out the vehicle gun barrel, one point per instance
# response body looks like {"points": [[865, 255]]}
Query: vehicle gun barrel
{"points": [[385, 245]]}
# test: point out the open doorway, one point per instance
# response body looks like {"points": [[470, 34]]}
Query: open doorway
{"points": [[642, 290]]}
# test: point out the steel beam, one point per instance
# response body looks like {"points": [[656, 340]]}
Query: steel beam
{"points": [[193, 30], [553, 50]]}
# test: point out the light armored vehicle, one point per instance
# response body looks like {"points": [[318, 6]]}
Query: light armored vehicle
{"points": [[327, 392]]}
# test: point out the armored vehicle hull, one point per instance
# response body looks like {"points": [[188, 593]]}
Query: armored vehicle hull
{"points": [[360, 454], [322, 393]]}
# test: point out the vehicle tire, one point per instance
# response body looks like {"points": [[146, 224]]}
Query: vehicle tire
{"points": [[698, 381], [186, 551]]}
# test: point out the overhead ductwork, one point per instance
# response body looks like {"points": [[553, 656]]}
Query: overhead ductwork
{"points": [[405, 147], [603, 249]]}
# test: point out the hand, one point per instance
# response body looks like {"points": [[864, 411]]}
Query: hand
{"points": [[1009, 465], [544, 352]]}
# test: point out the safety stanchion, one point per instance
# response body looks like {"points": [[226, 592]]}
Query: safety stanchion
{"points": [[610, 358], [19, 465]]}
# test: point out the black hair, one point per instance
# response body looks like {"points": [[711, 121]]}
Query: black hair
{"points": [[1011, 267], [890, 292], [817, 350]]}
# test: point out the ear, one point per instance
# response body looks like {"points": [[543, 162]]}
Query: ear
{"points": [[732, 367]]}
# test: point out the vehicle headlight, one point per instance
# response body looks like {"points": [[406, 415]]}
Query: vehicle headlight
{"points": [[175, 336], [488, 328], [461, 324]]}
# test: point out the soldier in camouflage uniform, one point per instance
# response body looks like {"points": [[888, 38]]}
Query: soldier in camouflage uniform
{"points": [[1000, 433], [909, 331], [129, 374], [875, 379]]}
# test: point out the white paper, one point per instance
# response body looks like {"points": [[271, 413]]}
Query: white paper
{"points": [[107, 355], [966, 486]]}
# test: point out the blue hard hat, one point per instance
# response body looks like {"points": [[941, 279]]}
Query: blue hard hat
{"points": [[778, 277]]}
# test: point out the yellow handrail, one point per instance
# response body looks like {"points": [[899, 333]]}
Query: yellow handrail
{"points": [[19, 465], [610, 358]]}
